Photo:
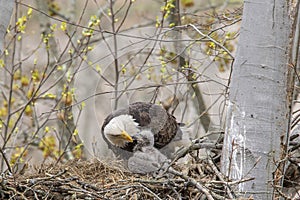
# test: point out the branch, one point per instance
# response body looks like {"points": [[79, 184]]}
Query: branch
{"points": [[192, 181], [211, 39]]}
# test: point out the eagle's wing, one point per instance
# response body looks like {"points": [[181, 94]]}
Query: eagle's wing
{"points": [[155, 117]]}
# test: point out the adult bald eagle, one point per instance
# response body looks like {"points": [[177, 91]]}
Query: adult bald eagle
{"points": [[122, 127]]}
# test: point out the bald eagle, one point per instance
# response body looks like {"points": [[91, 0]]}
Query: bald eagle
{"points": [[121, 128]]}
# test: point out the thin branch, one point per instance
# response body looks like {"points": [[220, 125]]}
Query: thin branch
{"points": [[199, 186], [213, 40]]}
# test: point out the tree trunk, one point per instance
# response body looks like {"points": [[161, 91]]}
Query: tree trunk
{"points": [[259, 100]]}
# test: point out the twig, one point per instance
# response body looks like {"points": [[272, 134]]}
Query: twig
{"points": [[200, 187], [220, 176], [233, 182], [17, 192], [150, 191], [36, 180], [5, 160], [211, 39], [195, 145]]}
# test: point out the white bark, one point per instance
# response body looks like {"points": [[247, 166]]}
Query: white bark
{"points": [[258, 107], [6, 8]]}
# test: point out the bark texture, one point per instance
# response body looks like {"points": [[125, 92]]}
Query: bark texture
{"points": [[258, 109]]}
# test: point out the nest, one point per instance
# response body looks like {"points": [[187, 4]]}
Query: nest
{"points": [[199, 179], [186, 177]]}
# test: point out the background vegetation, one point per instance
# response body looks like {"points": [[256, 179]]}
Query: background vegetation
{"points": [[68, 64]]}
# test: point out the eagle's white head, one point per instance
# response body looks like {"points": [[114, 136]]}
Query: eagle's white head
{"points": [[120, 129]]}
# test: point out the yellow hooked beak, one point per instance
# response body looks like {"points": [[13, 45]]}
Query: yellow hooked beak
{"points": [[126, 136]]}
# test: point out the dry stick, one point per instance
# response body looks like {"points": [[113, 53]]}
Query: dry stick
{"points": [[279, 190], [50, 176], [156, 181], [77, 190], [195, 145], [233, 182], [199, 186], [150, 191], [16, 192], [65, 182], [220, 176]]}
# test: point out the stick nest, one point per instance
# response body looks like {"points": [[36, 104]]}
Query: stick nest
{"points": [[187, 177], [109, 180]]}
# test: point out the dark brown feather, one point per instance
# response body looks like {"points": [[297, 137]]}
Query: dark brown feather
{"points": [[149, 116]]}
